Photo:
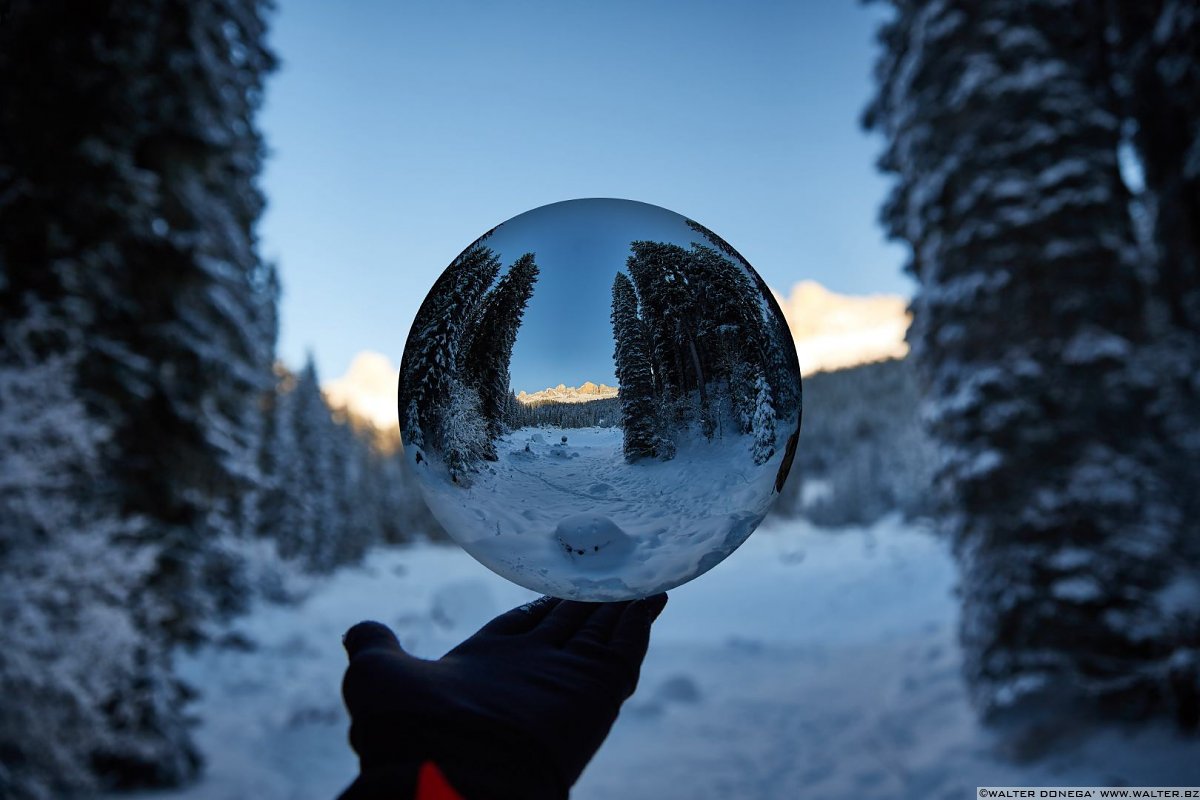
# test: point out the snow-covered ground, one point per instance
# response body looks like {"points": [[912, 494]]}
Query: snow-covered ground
{"points": [[573, 519], [809, 664]]}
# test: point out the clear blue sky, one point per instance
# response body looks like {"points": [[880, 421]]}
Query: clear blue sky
{"points": [[399, 132], [579, 247]]}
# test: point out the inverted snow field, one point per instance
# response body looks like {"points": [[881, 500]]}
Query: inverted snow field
{"points": [[600, 399]]}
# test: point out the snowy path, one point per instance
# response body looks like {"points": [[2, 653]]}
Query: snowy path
{"points": [[566, 518], [811, 664]]}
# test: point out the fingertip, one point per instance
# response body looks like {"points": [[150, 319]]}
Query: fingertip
{"points": [[564, 620], [602, 623], [522, 618], [656, 604], [632, 633], [370, 635]]}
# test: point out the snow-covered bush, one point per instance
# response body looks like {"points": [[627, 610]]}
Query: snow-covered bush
{"points": [[464, 431]]}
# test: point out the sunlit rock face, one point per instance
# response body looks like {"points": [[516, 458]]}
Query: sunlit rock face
{"points": [[600, 399]]}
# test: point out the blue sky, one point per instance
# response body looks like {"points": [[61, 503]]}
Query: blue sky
{"points": [[566, 331], [398, 132]]}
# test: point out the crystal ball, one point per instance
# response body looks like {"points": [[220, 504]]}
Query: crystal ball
{"points": [[600, 399]]}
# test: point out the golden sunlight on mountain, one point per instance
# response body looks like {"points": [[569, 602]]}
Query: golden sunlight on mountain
{"points": [[833, 331], [584, 393], [368, 390]]}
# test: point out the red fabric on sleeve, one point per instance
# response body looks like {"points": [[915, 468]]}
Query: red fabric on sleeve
{"points": [[432, 784]]}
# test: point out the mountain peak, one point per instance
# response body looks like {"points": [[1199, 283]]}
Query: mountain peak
{"points": [[584, 393], [834, 331], [368, 389]]}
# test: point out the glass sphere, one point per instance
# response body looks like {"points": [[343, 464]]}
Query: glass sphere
{"points": [[600, 399]]}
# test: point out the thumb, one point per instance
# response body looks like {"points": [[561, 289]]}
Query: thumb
{"points": [[370, 635]]}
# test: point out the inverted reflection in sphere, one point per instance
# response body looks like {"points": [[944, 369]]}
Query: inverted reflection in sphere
{"points": [[600, 399]]}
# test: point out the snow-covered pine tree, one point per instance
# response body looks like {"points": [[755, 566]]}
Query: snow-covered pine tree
{"points": [[335, 487], [278, 458], [635, 377], [1157, 78], [490, 337], [743, 395], [783, 365], [432, 354], [129, 157], [399, 510], [652, 268], [308, 487], [764, 422], [592, 414], [1004, 142], [359, 499], [732, 314], [734, 335], [153, 214], [90, 694]]}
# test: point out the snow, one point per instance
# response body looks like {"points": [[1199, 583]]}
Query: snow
{"points": [[816, 664], [574, 519], [1080, 589], [815, 491], [1092, 344]]}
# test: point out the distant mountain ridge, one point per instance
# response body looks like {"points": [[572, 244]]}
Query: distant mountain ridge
{"points": [[584, 393], [834, 331]]}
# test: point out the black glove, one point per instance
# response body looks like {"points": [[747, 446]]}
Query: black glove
{"points": [[517, 710]]}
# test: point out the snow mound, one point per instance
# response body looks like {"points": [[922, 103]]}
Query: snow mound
{"points": [[595, 541]]}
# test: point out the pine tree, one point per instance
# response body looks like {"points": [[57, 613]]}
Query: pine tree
{"points": [[129, 156], [653, 267], [1157, 80], [312, 478], [334, 487], [737, 338], [731, 309], [639, 410], [153, 214], [1004, 140], [357, 501], [775, 339], [432, 354], [399, 510], [763, 423], [743, 395], [89, 689], [490, 338]]}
